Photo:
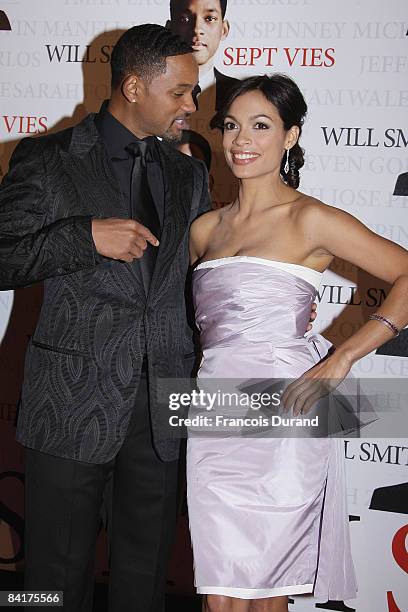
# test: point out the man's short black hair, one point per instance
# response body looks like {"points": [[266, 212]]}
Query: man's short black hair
{"points": [[175, 7], [142, 50]]}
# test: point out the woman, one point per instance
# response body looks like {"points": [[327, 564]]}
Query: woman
{"points": [[268, 516]]}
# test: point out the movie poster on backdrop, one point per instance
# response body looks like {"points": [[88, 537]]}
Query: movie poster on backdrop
{"points": [[351, 62]]}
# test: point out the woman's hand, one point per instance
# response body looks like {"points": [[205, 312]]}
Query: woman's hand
{"points": [[313, 315], [316, 383]]}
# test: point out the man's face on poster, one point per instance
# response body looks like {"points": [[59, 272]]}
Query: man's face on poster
{"points": [[200, 23]]}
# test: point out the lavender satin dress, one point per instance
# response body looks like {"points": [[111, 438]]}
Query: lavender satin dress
{"points": [[268, 516]]}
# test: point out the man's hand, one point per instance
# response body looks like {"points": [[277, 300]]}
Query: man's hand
{"points": [[313, 315], [123, 239]]}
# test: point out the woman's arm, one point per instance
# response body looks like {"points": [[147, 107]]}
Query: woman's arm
{"points": [[200, 230], [193, 242], [344, 236]]}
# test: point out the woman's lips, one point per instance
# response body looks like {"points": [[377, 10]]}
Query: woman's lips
{"points": [[244, 158]]}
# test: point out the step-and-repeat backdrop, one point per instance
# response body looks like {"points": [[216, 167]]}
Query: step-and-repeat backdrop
{"points": [[350, 60]]}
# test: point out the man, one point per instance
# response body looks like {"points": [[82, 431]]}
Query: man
{"points": [[101, 213], [202, 24]]}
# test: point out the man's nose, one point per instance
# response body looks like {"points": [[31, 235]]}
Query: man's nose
{"points": [[198, 25], [189, 105]]}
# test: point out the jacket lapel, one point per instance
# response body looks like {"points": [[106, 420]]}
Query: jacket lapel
{"points": [[96, 191], [87, 163], [178, 181]]}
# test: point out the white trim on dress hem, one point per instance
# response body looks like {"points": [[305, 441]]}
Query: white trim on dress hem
{"points": [[297, 589]]}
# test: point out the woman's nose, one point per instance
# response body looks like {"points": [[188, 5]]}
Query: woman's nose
{"points": [[242, 138]]}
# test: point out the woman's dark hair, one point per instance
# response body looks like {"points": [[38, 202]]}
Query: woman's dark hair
{"points": [[194, 138], [143, 50], [287, 98]]}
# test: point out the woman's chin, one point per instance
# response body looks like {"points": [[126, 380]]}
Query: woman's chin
{"points": [[242, 172]]}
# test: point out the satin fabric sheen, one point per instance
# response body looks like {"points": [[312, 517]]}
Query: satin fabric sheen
{"points": [[267, 516]]}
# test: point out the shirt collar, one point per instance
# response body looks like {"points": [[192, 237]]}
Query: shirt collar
{"points": [[115, 136]]}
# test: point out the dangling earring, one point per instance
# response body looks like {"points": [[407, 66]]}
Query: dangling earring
{"points": [[286, 166]]}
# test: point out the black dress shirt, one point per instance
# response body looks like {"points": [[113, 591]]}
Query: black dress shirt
{"points": [[116, 137]]}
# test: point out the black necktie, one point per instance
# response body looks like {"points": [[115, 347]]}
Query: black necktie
{"points": [[143, 208]]}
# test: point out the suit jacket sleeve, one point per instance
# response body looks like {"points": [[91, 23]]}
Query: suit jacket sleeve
{"points": [[34, 247]]}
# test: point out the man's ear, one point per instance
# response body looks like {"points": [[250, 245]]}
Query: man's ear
{"points": [[132, 88], [225, 29]]}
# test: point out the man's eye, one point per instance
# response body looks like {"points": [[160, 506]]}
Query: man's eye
{"points": [[229, 125], [184, 19], [211, 18], [261, 126], [178, 95]]}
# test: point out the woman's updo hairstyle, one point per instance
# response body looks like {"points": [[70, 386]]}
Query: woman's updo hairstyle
{"points": [[287, 98]]}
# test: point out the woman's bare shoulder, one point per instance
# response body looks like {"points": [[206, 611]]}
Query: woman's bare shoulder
{"points": [[324, 223], [200, 232], [205, 221], [312, 210]]}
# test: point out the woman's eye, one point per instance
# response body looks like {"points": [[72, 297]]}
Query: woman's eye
{"points": [[261, 126], [229, 125]]}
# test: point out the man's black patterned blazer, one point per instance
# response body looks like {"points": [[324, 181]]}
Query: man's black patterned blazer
{"points": [[83, 362]]}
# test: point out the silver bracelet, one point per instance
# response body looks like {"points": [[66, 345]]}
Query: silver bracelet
{"points": [[386, 322]]}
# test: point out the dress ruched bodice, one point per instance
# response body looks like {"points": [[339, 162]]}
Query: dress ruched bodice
{"points": [[243, 299], [259, 307]]}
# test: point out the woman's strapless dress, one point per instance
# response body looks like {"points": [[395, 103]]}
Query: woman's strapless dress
{"points": [[268, 516]]}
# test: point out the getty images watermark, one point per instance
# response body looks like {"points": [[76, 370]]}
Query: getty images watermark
{"points": [[256, 408], [205, 405]]}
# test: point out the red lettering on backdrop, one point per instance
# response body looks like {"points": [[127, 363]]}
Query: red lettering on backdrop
{"points": [[392, 606], [31, 129], [270, 51], [6, 121], [329, 57], [42, 123], [227, 54], [399, 550], [255, 53], [313, 57], [316, 57], [291, 58], [23, 124], [400, 554], [241, 51]]}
